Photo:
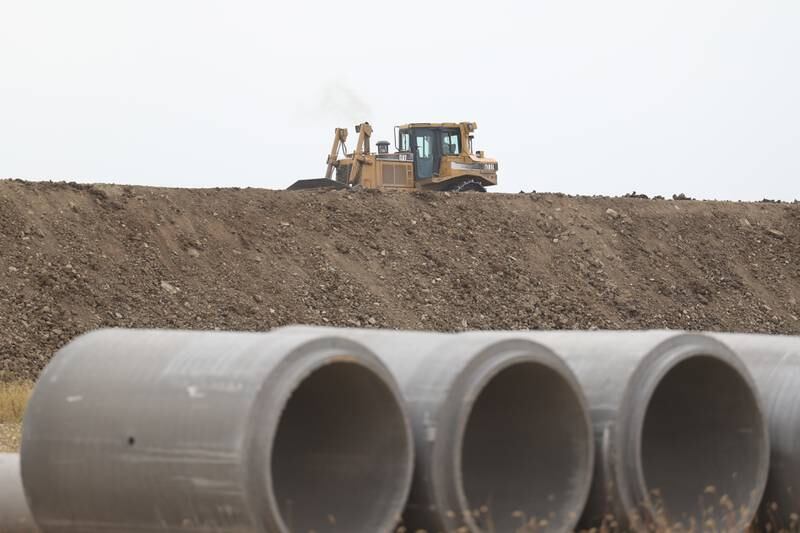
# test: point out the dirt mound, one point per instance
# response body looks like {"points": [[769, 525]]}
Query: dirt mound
{"points": [[76, 257]]}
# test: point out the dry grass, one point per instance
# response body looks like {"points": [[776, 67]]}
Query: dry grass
{"points": [[10, 437], [717, 516], [13, 399]]}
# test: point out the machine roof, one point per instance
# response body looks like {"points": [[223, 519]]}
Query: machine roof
{"points": [[436, 125]]}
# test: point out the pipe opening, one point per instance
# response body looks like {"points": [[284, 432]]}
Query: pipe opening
{"points": [[701, 444], [524, 453], [340, 452]]}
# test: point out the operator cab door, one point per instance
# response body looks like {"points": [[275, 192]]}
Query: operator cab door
{"points": [[423, 144]]}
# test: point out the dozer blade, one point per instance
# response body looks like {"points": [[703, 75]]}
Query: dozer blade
{"points": [[315, 183]]}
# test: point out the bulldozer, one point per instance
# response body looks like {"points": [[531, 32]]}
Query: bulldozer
{"points": [[427, 156]]}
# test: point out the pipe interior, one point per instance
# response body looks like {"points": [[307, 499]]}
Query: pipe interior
{"points": [[524, 453], [341, 454], [701, 443]]}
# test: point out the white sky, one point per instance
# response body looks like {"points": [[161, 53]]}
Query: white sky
{"points": [[699, 97]]}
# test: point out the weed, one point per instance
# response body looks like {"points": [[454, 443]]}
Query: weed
{"points": [[13, 399]]}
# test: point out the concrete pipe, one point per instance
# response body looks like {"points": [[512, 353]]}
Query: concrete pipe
{"points": [[503, 435], [14, 514], [680, 432], [208, 431], [774, 362]]}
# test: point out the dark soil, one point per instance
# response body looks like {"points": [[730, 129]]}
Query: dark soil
{"points": [[77, 257]]}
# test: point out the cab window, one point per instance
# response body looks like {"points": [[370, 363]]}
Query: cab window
{"points": [[451, 142], [423, 145], [405, 141]]}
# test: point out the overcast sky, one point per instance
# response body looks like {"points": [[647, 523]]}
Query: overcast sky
{"points": [[699, 97]]}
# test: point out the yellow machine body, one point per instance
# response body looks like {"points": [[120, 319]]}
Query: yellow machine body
{"points": [[428, 156]]}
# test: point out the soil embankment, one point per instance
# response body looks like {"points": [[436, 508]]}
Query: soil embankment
{"points": [[78, 257]]}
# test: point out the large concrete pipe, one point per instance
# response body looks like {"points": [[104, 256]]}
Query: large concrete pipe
{"points": [[680, 432], [774, 362], [207, 431], [14, 514], [504, 439]]}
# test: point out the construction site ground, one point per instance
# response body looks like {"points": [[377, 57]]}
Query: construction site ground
{"points": [[78, 257]]}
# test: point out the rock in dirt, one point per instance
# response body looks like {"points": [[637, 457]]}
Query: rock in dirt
{"points": [[169, 287]]}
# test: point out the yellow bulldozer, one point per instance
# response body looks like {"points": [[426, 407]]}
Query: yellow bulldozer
{"points": [[437, 157]]}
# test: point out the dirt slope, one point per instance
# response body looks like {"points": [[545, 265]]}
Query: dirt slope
{"points": [[73, 258]]}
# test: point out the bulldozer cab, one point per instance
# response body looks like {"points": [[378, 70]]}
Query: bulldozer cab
{"points": [[428, 145]]}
